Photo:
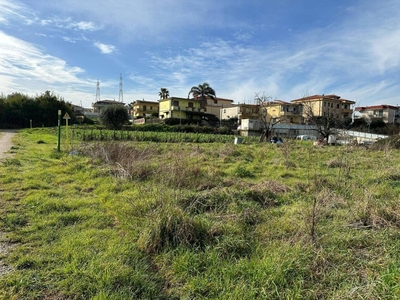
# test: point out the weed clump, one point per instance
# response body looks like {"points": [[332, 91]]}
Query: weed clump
{"points": [[173, 228], [336, 163]]}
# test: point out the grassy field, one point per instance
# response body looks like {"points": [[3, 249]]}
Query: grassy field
{"points": [[160, 220]]}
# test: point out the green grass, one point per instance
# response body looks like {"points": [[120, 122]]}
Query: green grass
{"points": [[180, 220]]}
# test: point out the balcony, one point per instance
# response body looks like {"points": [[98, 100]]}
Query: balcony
{"points": [[184, 108], [290, 113]]}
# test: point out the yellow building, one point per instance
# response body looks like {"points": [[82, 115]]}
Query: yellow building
{"points": [[185, 109], [325, 105], [142, 108], [279, 111], [180, 108]]}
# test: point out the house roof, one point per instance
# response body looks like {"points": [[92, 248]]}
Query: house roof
{"points": [[383, 106], [280, 102], [108, 102], [317, 97], [145, 101]]}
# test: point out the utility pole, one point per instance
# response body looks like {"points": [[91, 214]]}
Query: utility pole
{"points": [[98, 91], [121, 93]]}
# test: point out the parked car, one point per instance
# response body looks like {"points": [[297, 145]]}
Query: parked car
{"points": [[306, 137]]}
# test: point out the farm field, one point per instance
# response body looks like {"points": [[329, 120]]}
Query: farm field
{"points": [[198, 218]]}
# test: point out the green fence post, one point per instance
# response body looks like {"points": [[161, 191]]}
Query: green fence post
{"points": [[59, 130]]}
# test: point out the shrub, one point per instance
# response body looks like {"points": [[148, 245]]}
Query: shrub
{"points": [[114, 116]]}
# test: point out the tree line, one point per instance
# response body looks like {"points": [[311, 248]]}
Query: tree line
{"points": [[18, 110]]}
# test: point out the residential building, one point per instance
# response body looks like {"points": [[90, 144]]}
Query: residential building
{"points": [[143, 108], [78, 110], [214, 106], [386, 113], [175, 107], [325, 105], [240, 111], [100, 105], [279, 111], [185, 109]]}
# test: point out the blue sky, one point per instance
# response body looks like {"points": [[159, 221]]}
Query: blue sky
{"points": [[286, 49]]}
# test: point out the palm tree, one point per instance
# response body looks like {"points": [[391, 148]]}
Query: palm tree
{"points": [[163, 93], [201, 92]]}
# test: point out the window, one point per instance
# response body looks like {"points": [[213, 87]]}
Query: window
{"points": [[151, 107], [175, 103], [190, 104], [337, 105], [144, 108]]}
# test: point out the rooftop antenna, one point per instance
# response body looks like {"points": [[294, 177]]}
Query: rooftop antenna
{"points": [[98, 91], [121, 93]]}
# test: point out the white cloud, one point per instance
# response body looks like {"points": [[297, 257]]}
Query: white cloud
{"points": [[68, 39], [104, 48], [85, 26], [11, 9], [27, 69]]}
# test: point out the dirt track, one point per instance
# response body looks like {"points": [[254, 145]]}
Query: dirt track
{"points": [[5, 146], [5, 142]]}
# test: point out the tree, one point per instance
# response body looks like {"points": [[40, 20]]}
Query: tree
{"points": [[16, 110], [201, 92], [163, 93], [325, 125], [267, 121], [114, 116]]}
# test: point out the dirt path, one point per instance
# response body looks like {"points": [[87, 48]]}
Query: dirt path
{"points": [[5, 146], [5, 142]]}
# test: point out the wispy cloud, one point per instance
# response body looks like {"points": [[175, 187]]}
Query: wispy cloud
{"points": [[11, 9], [84, 26], [27, 69], [68, 23], [104, 48]]}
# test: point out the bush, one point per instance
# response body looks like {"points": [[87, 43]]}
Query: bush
{"points": [[114, 116]]}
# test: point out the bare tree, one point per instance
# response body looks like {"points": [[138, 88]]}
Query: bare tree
{"points": [[325, 124], [267, 121]]}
